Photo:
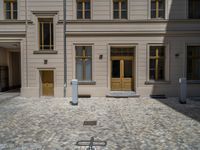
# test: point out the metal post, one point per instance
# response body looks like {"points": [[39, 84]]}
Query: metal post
{"points": [[26, 52], [183, 90], [65, 47], [74, 92]]}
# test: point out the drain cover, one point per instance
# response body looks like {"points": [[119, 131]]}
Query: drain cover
{"points": [[90, 123]]}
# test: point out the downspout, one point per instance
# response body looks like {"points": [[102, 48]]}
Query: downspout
{"points": [[65, 47], [26, 29]]}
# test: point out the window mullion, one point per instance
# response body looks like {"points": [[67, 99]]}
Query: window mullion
{"points": [[157, 8], [120, 9], [42, 35], [11, 9], [50, 34], [83, 10], [157, 59]]}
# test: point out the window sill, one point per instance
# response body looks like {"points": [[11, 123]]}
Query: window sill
{"points": [[157, 82], [45, 52], [86, 82], [193, 81]]}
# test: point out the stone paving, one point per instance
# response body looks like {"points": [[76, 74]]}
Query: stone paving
{"points": [[126, 124]]}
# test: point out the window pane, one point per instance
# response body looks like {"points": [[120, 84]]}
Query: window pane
{"points": [[87, 15], [8, 15], [116, 15], [14, 5], [88, 71], [194, 12], [116, 68], [153, 14], [8, 6], [152, 64], [79, 15], [152, 75], [124, 14], [152, 51], [79, 69], [116, 6], [79, 6], [88, 50], [128, 69], [46, 33], [124, 4], [161, 14], [79, 51], [87, 5], [193, 63]]}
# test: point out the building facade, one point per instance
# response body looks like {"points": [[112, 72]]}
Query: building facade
{"points": [[143, 46]]}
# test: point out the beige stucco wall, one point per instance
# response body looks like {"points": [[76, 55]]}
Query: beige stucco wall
{"points": [[101, 32]]}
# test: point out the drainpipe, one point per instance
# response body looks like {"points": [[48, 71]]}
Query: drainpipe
{"points": [[26, 28], [65, 47]]}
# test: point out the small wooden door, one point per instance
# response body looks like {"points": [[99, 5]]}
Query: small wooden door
{"points": [[122, 73], [47, 78]]}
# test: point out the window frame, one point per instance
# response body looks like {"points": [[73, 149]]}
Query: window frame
{"points": [[165, 11], [83, 10], [120, 10], [167, 64], [11, 9], [186, 64], [51, 38], [92, 65]]}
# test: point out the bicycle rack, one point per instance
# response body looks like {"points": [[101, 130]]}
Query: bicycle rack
{"points": [[91, 143]]}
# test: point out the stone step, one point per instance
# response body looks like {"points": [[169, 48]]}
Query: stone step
{"points": [[122, 94]]}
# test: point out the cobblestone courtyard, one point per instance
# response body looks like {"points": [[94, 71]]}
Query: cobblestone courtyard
{"points": [[126, 124]]}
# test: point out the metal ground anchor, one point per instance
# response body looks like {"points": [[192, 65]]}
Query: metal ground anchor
{"points": [[91, 143]]}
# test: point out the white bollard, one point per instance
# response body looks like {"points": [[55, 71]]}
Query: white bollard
{"points": [[74, 92], [183, 90]]}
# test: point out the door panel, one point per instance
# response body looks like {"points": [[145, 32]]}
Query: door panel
{"points": [[127, 75], [47, 83], [116, 79]]}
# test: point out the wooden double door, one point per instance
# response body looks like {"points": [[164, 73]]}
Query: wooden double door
{"points": [[122, 73]]}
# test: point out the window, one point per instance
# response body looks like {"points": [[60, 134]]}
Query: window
{"points": [[193, 62], [10, 9], [84, 63], [158, 9], [46, 34], [83, 9], [194, 12], [157, 63], [120, 9]]}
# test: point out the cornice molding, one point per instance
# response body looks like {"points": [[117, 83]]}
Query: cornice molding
{"points": [[133, 33], [128, 21], [12, 33], [15, 22], [44, 13]]}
